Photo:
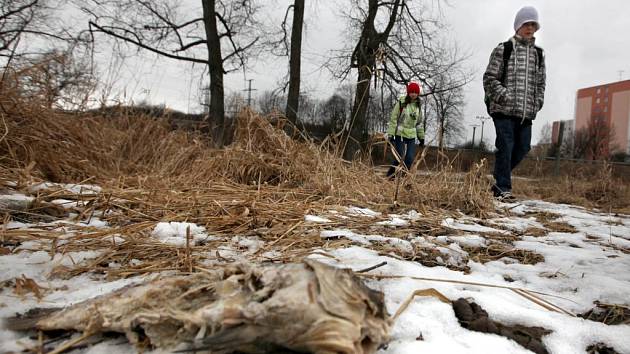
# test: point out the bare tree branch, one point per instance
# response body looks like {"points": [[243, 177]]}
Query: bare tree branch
{"points": [[139, 43]]}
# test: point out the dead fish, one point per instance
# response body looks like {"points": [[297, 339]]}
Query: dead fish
{"points": [[306, 307]]}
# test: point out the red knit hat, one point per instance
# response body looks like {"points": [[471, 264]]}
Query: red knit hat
{"points": [[413, 87]]}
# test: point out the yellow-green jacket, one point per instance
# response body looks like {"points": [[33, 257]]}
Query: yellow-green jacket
{"points": [[408, 122]]}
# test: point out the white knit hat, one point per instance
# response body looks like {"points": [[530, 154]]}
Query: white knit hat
{"points": [[524, 15]]}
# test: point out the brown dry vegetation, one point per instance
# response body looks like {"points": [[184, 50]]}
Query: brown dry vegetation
{"points": [[261, 186], [594, 184], [601, 190], [138, 151]]}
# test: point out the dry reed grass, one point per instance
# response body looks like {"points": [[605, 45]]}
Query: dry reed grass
{"points": [[610, 314], [497, 250], [551, 224], [64, 147], [535, 232], [602, 191], [260, 186]]}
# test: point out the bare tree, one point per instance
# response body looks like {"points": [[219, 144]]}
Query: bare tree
{"points": [[16, 17], [60, 79], [447, 106], [221, 35], [395, 42], [379, 108], [235, 102], [22, 21], [44, 55], [32, 28], [309, 110], [295, 59], [595, 140], [270, 101], [334, 112], [546, 133]]}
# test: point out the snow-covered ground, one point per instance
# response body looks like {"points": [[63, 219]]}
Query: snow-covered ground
{"points": [[590, 263]]}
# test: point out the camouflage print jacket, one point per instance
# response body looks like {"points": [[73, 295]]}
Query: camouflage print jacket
{"points": [[523, 92]]}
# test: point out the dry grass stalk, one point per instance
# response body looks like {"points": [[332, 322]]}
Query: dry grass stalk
{"points": [[497, 250], [602, 191], [535, 232], [610, 314], [26, 285], [530, 294]]}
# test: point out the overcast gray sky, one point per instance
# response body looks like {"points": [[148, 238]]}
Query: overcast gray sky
{"points": [[586, 44]]}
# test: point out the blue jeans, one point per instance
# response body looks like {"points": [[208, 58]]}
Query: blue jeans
{"points": [[513, 143], [406, 149]]}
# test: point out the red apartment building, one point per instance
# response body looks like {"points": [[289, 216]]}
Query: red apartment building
{"points": [[606, 104]]}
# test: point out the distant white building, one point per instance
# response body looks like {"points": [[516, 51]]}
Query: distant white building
{"points": [[567, 134]]}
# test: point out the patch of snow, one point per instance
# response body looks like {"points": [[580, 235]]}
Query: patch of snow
{"points": [[474, 241], [413, 215], [81, 189], [252, 244], [579, 268], [174, 233], [271, 255], [402, 245], [394, 220], [517, 223], [363, 212], [66, 203], [360, 239], [453, 224], [316, 219], [436, 323], [16, 225], [15, 197]]}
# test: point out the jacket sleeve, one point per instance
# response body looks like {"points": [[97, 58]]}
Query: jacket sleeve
{"points": [[541, 82], [491, 83], [419, 126], [393, 119]]}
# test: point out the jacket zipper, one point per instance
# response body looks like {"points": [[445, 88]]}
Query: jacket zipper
{"points": [[526, 79]]}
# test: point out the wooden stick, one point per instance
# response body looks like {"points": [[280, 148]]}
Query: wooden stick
{"points": [[379, 276], [542, 302], [188, 251], [69, 344], [371, 268], [424, 292]]}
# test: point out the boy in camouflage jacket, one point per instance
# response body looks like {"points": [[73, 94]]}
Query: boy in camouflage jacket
{"points": [[515, 94]]}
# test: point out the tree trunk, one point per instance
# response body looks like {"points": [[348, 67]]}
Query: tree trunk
{"points": [[441, 136], [215, 68], [364, 59], [358, 127], [293, 99]]}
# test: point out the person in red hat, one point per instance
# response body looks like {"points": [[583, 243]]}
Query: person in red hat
{"points": [[405, 125]]}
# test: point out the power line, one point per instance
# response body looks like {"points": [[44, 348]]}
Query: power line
{"points": [[483, 119], [249, 92]]}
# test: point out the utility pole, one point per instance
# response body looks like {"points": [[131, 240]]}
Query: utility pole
{"points": [[249, 92], [621, 74], [483, 120], [556, 170], [474, 130]]}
